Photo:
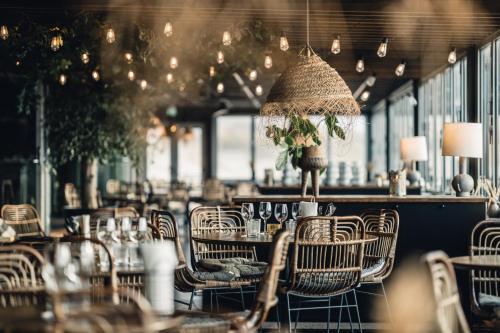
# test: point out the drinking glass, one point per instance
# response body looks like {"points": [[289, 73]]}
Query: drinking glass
{"points": [[295, 210], [247, 211], [253, 228], [265, 212], [280, 212], [290, 226], [329, 210]]}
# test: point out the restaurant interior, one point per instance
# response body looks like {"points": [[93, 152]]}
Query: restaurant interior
{"points": [[250, 166]]}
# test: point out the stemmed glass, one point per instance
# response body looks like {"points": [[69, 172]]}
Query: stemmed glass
{"points": [[265, 212], [329, 210], [280, 212], [295, 210], [247, 211]]}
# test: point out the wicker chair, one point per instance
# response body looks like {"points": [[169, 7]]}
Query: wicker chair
{"points": [[485, 283], [326, 262], [122, 212], [24, 219], [449, 313], [378, 259], [266, 299], [187, 280], [20, 277]]}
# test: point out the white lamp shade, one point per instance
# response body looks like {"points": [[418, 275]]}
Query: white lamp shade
{"points": [[413, 149], [463, 139]]}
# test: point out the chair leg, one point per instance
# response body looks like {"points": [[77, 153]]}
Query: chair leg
{"points": [[357, 311], [289, 313], [340, 312], [190, 306], [389, 313], [349, 312], [242, 299], [277, 307], [298, 316], [328, 317]]}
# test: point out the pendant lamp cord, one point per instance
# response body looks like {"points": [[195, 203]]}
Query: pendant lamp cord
{"points": [[307, 22]]}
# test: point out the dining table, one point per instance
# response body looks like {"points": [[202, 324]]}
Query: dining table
{"points": [[476, 262]]}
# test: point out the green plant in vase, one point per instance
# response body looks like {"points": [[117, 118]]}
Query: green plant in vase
{"points": [[301, 143]]}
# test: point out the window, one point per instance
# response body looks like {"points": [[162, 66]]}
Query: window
{"points": [[158, 167], [190, 163], [379, 139], [266, 152], [233, 135], [401, 124]]}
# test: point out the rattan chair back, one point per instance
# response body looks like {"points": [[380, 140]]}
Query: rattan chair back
{"points": [[166, 224], [485, 241], [23, 218], [20, 276], [328, 255], [218, 220], [129, 211], [383, 224], [98, 219], [449, 313]]}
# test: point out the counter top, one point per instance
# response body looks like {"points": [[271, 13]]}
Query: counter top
{"points": [[363, 198]]}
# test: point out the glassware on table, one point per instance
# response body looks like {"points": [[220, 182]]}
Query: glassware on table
{"points": [[281, 212], [265, 212], [329, 210], [295, 210], [247, 211], [253, 228], [290, 226]]}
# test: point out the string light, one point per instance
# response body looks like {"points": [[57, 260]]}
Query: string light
{"points": [[182, 86], [360, 65], [18, 63], [220, 87], [110, 36], [365, 95], [268, 61], [452, 57], [95, 75], [252, 75], [220, 57], [128, 57], [168, 31], [226, 38], [174, 63], [211, 71], [85, 58], [284, 46], [170, 78], [144, 84], [400, 69], [336, 45], [131, 75], [173, 128], [258, 90], [56, 43], [62, 79], [4, 32], [382, 48]]}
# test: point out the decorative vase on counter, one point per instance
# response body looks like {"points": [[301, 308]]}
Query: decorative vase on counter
{"points": [[313, 160], [493, 209], [397, 183]]}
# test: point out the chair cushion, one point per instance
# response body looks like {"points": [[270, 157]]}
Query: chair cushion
{"points": [[374, 269], [240, 267], [489, 301], [201, 322], [222, 275]]}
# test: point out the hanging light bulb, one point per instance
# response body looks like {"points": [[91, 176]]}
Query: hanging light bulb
{"points": [[62, 79], [336, 45], [110, 36], [182, 87], [128, 57], [85, 57], [95, 75], [258, 90], [284, 43], [168, 31], [173, 128], [382, 48], [174, 63], [268, 61], [144, 84], [365, 95], [4, 32], [18, 62], [131, 75], [170, 78], [226, 38], [360, 65], [56, 43], [252, 75], [211, 71], [220, 87], [220, 57], [452, 57], [400, 69]]}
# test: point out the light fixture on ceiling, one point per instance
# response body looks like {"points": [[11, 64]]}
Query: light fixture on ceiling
{"points": [[226, 38], [258, 90], [360, 65], [170, 78], [128, 57], [365, 96], [56, 43], [452, 57], [268, 61], [110, 36], [62, 79], [174, 63], [220, 87], [131, 75], [168, 30], [85, 57], [284, 46], [336, 45], [211, 71], [4, 32], [144, 84], [382, 48], [252, 75], [95, 75], [220, 57], [400, 69]]}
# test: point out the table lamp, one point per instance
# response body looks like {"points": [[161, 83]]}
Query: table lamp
{"points": [[413, 149], [463, 140]]}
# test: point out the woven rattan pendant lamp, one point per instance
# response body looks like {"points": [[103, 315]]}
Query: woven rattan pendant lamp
{"points": [[310, 86]]}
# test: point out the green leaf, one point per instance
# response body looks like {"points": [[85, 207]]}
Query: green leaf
{"points": [[339, 132], [282, 160]]}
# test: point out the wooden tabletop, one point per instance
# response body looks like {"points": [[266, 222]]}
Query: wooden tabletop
{"points": [[362, 199], [476, 262], [239, 238]]}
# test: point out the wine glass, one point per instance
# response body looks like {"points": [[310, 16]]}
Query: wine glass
{"points": [[295, 210], [280, 212], [328, 210], [247, 211], [265, 212]]}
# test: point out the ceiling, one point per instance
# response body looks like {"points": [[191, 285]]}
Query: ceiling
{"points": [[420, 31]]}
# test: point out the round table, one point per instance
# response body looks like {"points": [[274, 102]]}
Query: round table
{"points": [[476, 262]]}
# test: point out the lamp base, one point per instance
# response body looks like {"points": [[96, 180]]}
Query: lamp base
{"points": [[413, 177], [463, 184]]}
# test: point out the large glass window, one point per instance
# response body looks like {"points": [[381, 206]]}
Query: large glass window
{"points": [[401, 123], [158, 165], [190, 163], [266, 152], [378, 143]]}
